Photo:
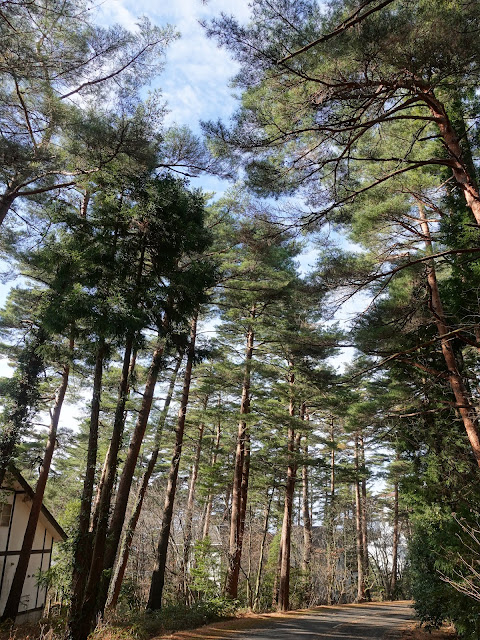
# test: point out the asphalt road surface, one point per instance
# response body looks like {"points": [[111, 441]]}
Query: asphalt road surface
{"points": [[371, 621]]}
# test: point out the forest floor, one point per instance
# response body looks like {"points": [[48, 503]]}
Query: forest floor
{"points": [[419, 633]]}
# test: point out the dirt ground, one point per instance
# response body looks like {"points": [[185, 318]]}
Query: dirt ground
{"points": [[415, 633]]}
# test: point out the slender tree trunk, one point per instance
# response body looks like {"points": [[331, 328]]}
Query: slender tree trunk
{"points": [[117, 579], [15, 594], [244, 491], [249, 568], [358, 527], [126, 478], [366, 563], [276, 579], [393, 579], [268, 507], [307, 522], [331, 558], [158, 576], [83, 539], [465, 407], [235, 542], [208, 509], [284, 587], [332, 464], [187, 541]]}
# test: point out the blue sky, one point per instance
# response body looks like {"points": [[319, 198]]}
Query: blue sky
{"points": [[195, 81], [196, 78]]}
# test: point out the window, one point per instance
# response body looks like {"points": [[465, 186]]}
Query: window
{"points": [[5, 513]]}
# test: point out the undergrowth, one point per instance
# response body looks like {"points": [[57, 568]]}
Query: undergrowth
{"points": [[145, 625]]}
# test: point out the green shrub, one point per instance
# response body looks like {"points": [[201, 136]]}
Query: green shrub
{"points": [[173, 617]]}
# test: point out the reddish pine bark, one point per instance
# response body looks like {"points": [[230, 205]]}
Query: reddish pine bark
{"points": [[465, 408]]}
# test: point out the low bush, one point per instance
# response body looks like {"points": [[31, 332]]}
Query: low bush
{"points": [[173, 617]]}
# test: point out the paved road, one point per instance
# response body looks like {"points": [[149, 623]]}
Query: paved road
{"points": [[372, 621]]}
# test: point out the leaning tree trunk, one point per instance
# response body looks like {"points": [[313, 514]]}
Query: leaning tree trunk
{"points": [[235, 541], [89, 605], [15, 594], [461, 172], [285, 544], [117, 579], [83, 539], [158, 576], [100, 485], [123, 492], [465, 408], [358, 527]]}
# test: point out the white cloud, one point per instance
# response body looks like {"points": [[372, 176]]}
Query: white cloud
{"points": [[196, 78]]}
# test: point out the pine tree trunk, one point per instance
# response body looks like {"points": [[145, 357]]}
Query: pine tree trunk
{"points": [[268, 507], [117, 579], [126, 478], [187, 540], [276, 578], [307, 522], [366, 563], [393, 579], [235, 542], [285, 544], [6, 200], [358, 527], [83, 539], [465, 408], [208, 509], [15, 594], [461, 172], [101, 483], [330, 508], [158, 576]]}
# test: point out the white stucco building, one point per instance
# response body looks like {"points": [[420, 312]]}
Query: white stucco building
{"points": [[15, 503]]}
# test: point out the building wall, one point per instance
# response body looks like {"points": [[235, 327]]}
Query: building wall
{"points": [[11, 538]]}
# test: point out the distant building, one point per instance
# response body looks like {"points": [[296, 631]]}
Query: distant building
{"points": [[15, 504]]}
